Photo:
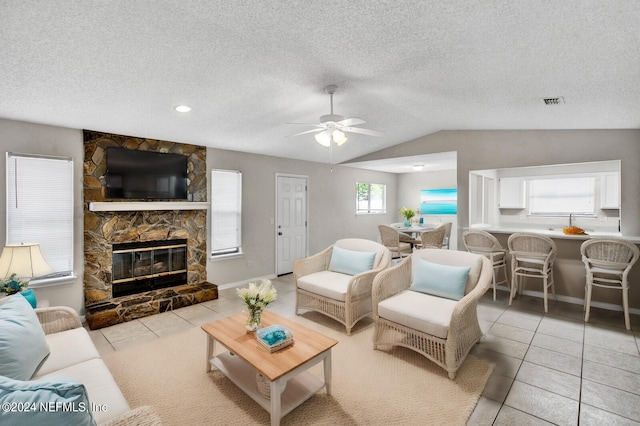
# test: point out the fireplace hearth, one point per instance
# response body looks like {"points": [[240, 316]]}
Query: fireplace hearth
{"points": [[150, 265]]}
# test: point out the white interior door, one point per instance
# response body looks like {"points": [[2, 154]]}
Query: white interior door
{"points": [[291, 221]]}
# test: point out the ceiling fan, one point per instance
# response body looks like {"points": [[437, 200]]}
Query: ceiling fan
{"points": [[333, 126]]}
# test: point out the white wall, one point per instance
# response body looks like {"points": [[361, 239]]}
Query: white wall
{"points": [[21, 137]]}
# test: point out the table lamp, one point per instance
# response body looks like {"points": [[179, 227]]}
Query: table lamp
{"points": [[25, 261]]}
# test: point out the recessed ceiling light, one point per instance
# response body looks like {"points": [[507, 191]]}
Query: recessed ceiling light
{"points": [[182, 108], [418, 167]]}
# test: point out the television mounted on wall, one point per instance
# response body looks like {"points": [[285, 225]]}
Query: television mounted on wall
{"points": [[145, 175]]}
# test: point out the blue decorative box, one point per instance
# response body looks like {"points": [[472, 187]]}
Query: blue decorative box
{"points": [[274, 337]]}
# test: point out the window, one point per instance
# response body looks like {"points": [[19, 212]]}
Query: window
{"points": [[226, 213], [371, 198], [562, 196], [40, 206]]}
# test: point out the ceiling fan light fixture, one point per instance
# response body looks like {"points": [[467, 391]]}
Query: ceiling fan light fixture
{"points": [[338, 137], [323, 138]]}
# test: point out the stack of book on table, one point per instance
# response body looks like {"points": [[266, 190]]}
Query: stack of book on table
{"points": [[274, 337]]}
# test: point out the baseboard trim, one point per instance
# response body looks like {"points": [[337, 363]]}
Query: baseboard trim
{"points": [[577, 301]]}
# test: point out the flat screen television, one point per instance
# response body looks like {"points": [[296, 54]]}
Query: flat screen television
{"points": [[144, 175]]}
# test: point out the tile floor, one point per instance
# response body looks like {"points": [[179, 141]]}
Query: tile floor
{"points": [[550, 369]]}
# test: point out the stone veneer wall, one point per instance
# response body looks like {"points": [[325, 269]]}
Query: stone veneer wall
{"points": [[102, 229]]}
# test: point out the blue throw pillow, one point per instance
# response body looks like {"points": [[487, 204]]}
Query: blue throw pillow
{"points": [[440, 280], [23, 347], [351, 262], [59, 401]]}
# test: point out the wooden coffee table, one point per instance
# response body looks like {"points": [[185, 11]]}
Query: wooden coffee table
{"points": [[245, 356]]}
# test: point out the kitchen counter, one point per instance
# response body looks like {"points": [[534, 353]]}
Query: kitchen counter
{"points": [[557, 233]]}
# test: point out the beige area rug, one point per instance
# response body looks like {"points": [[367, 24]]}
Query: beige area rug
{"points": [[395, 387]]}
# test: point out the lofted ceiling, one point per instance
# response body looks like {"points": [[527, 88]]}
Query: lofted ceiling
{"points": [[247, 68]]}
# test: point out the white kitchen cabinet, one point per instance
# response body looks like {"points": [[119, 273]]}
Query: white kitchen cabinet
{"points": [[511, 192], [610, 191]]}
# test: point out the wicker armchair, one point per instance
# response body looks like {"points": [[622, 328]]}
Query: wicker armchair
{"points": [[391, 239], [608, 263], [441, 329], [482, 242], [532, 256], [345, 298]]}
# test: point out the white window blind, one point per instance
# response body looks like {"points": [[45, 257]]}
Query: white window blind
{"points": [[562, 196], [226, 212], [40, 206]]}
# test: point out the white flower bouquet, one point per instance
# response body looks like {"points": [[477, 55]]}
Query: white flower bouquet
{"points": [[257, 297]]}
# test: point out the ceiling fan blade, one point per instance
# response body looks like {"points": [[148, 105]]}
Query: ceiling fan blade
{"points": [[308, 124], [308, 131], [351, 122], [362, 131]]}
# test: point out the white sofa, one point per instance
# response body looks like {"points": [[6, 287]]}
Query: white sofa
{"points": [[73, 355]]}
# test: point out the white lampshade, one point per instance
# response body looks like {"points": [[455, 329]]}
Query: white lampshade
{"points": [[24, 260], [323, 138], [338, 137]]}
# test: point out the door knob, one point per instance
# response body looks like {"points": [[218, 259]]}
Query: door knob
{"points": [[279, 233]]}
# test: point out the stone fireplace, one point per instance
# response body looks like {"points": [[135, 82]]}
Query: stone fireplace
{"points": [[145, 259]]}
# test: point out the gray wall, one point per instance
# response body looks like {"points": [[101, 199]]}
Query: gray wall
{"points": [[496, 149], [331, 204], [332, 193], [331, 209], [21, 137]]}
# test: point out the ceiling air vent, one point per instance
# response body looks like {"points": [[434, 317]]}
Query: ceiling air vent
{"points": [[553, 101]]}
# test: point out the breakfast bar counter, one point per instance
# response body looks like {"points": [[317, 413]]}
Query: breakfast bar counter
{"points": [[569, 271]]}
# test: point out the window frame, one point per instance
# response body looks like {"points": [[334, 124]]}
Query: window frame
{"points": [[369, 210], [55, 218], [230, 244]]}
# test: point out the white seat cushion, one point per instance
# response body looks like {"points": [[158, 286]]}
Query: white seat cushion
{"points": [[101, 388], [68, 348], [423, 312], [326, 283]]}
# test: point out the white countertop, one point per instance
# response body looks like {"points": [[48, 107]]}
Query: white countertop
{"points": [[557, 233]]}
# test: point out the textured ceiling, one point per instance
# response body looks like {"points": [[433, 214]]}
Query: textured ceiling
{"points": [[247, 68]]}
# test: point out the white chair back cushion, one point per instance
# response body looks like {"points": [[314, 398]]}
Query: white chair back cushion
{"points": [[358, 244], [452, 258]]}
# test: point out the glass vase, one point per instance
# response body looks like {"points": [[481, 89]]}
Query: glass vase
{"points": [[253, 320]]}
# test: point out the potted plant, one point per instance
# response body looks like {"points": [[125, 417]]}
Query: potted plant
{"points": [[12, 285], [408, 214]]}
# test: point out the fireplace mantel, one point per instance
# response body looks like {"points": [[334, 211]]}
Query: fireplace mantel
{"points": [[126, 206]]}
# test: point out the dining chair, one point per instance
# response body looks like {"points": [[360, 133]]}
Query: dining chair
{"points": [[447, 234], [432, 238], [608, 263], [390, 238], [482, 242], [532, 256]]}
